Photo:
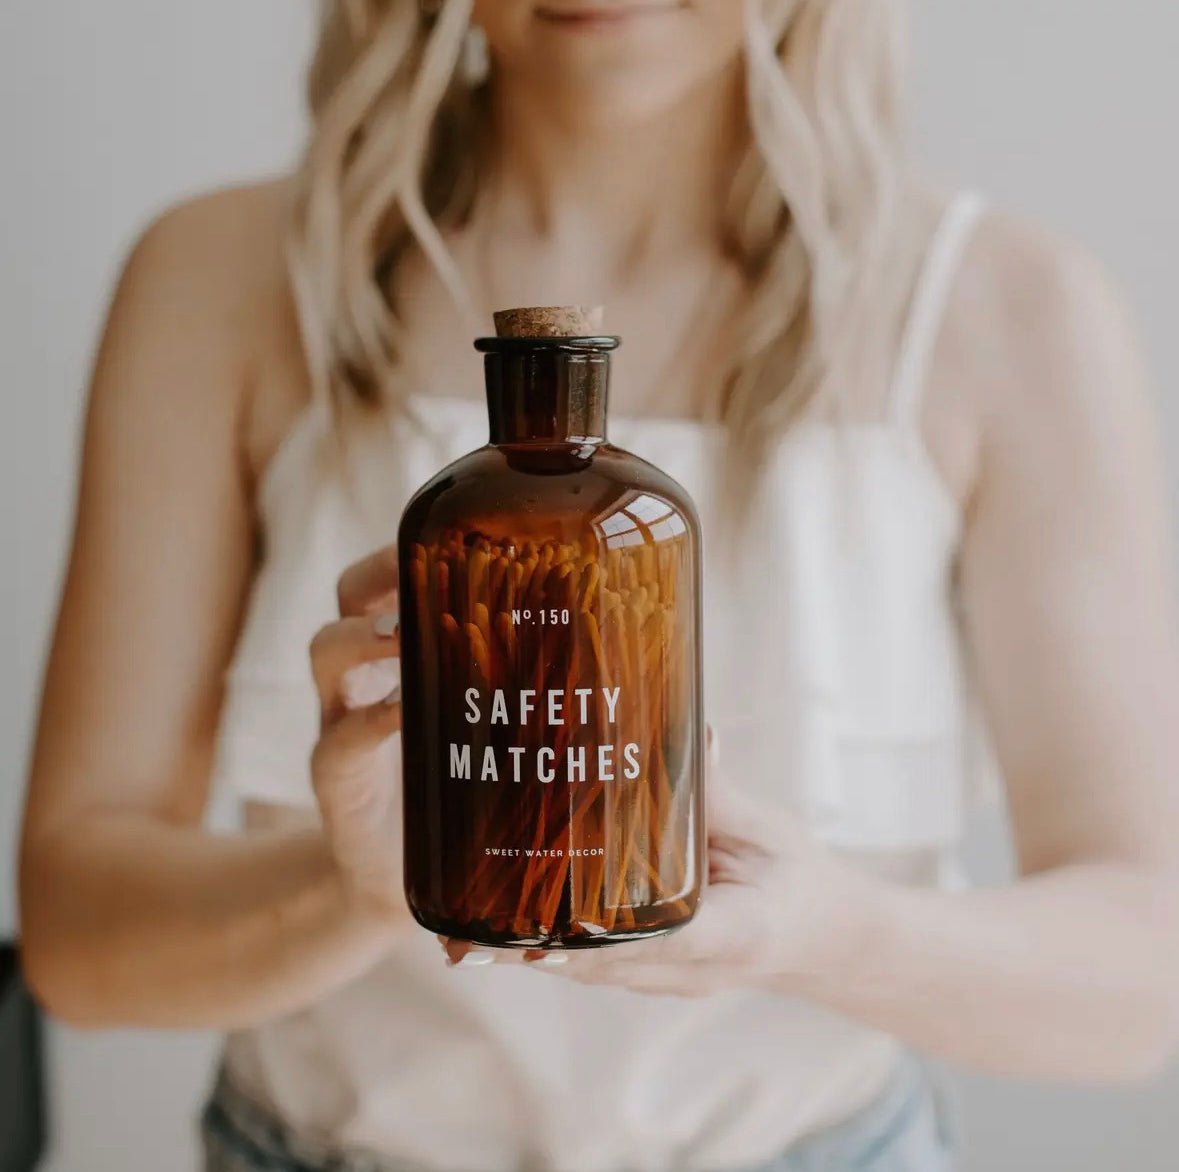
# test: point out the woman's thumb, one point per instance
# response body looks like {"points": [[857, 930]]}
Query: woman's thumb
{"points": [[734, 817]]}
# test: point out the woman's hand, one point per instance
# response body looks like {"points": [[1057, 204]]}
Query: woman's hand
{"points": [[360, 705], [778, 909]]}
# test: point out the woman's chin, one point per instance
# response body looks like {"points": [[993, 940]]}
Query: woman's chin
{"points": [[623, 58], [628, 77]]}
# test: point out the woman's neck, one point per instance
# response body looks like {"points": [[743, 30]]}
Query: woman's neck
{"points": [[639, 189]]}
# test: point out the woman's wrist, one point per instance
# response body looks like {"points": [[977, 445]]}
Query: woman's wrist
{"points": [[376, 909], [363, 909], [836, 937], [377, 914]]}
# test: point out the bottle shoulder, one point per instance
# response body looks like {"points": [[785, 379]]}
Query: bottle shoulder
{"points": [[531, 482], [641, 473]]}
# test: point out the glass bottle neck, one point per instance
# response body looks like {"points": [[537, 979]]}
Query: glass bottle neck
{"points": [[547, 395]]}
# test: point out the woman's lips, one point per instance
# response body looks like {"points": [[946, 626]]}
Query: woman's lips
{"points": [[603, 15]]}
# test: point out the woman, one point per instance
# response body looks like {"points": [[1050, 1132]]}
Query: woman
{"points": [[919, 437]]}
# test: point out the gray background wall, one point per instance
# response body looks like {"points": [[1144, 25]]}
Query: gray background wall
{"points": [[1061, 109]]}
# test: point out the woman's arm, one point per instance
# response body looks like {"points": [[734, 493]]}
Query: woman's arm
{"points": [[1070, 610], [131, 913]]}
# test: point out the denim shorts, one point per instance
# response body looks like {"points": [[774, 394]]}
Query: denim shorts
{"points": [[906, 1129]]}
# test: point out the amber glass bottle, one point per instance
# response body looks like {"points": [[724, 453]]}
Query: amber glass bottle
{"points": [[552, 735]]}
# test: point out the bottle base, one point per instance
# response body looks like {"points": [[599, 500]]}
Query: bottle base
{"points": [[581, 936]]}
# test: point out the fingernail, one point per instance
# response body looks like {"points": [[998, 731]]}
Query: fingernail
{"points": [[393, 698], [473, 960], [551, 960], [385, 626]]}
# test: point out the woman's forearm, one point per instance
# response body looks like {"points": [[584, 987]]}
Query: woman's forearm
{"points": [[1072, 974], [131, 922]]}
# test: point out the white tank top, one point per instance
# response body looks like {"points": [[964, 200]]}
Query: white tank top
{"points": [[835, 678]]}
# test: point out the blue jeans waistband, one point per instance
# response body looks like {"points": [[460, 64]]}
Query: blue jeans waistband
{"points": [[908, 1128]]}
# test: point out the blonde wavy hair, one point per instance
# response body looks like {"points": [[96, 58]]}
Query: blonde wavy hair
{"points": [[815, 212]]}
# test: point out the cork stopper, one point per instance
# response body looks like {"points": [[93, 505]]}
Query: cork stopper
{"points": [[549, 321]]}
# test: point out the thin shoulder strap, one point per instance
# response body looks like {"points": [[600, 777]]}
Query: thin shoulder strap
{"points": [[928, 306]]}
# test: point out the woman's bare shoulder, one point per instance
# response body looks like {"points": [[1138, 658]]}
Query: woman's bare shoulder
{"points": [[214, 267], [227, 241], [1038, 308], [1038, 339]]}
